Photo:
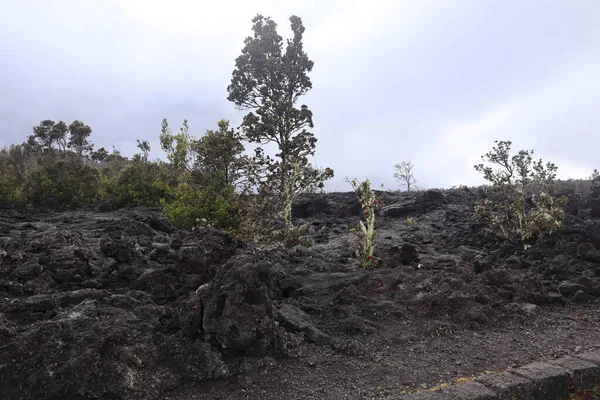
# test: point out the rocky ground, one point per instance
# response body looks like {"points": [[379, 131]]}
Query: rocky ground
{"points": [[121, 305]]}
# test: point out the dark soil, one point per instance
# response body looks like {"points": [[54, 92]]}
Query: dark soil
{"points": [[121, 305]]}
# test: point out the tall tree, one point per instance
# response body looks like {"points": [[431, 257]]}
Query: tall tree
{"points": [[270, 82]]}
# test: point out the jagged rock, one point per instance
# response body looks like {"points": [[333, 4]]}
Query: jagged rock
{"points": [[581, 297], [409, 254], [238, 306], [588, 252], [570, 288], [590, 204], [115, 305], [424, 202], [306, 207], [289, 286]]}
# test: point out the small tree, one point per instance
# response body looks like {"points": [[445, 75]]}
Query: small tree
{"points": [[366, 230], [180, 147], [270, 81], [45, 135], [404, 174], [99, 155], [506, 209], [208, 170], [144, 147], [594, 174], [219, 160], [78, 139]]}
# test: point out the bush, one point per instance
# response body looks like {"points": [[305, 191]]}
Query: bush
{"points": [[261, 225], [138, 184], [508, 210], [8, 184], [64, 179], [193, 206]]}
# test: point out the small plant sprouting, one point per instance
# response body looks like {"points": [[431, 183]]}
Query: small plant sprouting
{"points": [[366, 230]]}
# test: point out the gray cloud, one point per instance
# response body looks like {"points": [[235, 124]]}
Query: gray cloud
{"points": [[432, 82]]}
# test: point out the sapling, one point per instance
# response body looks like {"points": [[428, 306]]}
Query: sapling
{"points": [[366, 230]]}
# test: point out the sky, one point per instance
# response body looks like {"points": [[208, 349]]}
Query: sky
{"points": [[433, 82]]}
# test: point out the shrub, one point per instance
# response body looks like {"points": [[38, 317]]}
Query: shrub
{"points": [[62, 178], [138, 184], [8, 184], [193, 206], [259, 225], [507, 209], [366, 232]]}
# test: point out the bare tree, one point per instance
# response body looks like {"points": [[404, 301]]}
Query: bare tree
{"points": [[404, 174]]}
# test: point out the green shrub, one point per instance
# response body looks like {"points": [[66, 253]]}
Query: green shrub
{"points": [[9, 184], [65, 179], [193, 206], [137, 184], [506, 209], [261, 224]]}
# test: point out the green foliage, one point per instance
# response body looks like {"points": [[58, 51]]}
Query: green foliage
{"points": [[270, 81], [219, 163], [365, 234], [506, 210], [193, 206], [9, 184], [99, 155], [65, 179], [259, 226], [144, 147], [19, 156], [138, 184], [78, 139], [74, 136], [48, 133], [180, 148]]}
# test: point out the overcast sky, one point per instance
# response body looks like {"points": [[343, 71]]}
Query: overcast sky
{"points": [[434, 82]]}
